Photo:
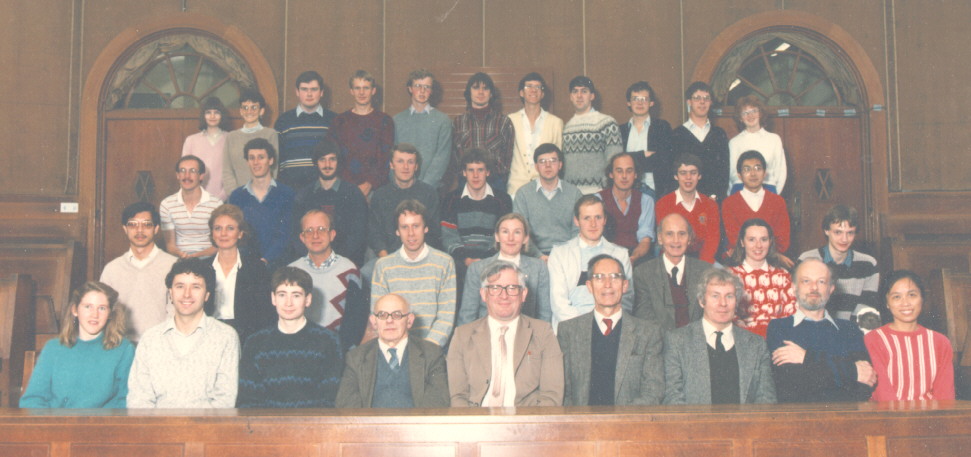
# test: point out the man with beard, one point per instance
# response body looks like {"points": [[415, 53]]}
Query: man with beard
{"points": [[630, 212], [815, 357]]}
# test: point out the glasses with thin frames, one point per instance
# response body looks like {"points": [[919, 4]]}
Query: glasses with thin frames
{"points": [[384, 315], [134, 224], [310, 231]]}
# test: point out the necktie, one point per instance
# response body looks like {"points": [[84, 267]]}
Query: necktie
{"points": [[674, 276], [610, 325], [718, 342], [394, 363], [497, 387]]}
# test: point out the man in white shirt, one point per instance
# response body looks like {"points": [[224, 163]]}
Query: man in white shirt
{"points": [[534, 126], [185, 214]]}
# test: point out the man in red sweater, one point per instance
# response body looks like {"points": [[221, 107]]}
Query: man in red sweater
{"points": [[365, 136], [700, 211], [753, 201]]}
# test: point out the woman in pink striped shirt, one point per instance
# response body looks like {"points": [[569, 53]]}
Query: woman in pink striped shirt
{"points": [[912, 362]]}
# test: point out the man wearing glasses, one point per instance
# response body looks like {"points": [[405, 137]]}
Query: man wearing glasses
{"points": [[533, 126], [709, 142], [393, 371], [569, 295], [425, 127], [610, 357], [139, 274], [546, 201], [338, 303], [185, 214], [236, 171], [649, 140], [505, 359]]}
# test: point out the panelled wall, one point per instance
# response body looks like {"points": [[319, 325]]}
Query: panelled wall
{"points": [[49, 48]]}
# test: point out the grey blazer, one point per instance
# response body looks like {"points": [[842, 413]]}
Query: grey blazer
{"points": [[426, 370], [652, 290], [687, 376], [537, 303], [639, 378]]}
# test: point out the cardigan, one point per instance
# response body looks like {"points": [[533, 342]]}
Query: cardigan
{"points": [[522, 169]]}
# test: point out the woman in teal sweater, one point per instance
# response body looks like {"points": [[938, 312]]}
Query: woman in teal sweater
{"points": [[87, 366]]}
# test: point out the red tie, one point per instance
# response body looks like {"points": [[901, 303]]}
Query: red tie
{"points": [[610, 326]]}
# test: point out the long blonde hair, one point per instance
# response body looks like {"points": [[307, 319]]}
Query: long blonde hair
{"points": [[114, 330]]}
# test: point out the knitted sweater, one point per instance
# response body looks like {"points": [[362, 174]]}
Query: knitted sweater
{"points": [[550, 221], [769, 295], [381, 221], [236, 170], [348, 203], [299, 370], [211, 154], [548, 129], [735, 211], [141, 290], [488, 129], [271, 218], [339, 300], [431, 133], [770, 146], [589, 141], [428, 284], [914, 365], [83, 376], [704, 220], [468, 225], [298, 136], [365, 142], [857, 281]]}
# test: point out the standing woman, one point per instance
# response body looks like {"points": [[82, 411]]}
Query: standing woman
{"points": [[911, 362], [768, 285], [208, 144], [512, 239], [242, 297], [87, 365], [751, 118]]}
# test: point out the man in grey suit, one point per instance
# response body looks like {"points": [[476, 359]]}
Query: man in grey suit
{"points": [[505, 359], [392, 370], [664, 286], [712, 361], [610, 358]]}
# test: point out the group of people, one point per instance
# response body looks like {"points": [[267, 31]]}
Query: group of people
{"points": [[510, 260]]}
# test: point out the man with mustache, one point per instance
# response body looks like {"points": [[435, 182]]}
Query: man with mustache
{"points": [[185, 214]]}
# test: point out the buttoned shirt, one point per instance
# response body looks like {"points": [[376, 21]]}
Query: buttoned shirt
{"points": [[508, 371], [400, 352], [728, 338], [420, 257], [549, 194], [141, 263], [753, 199], [668, 265], [699, 132], [679, 200], [800, 316], [226, 288], [319, 110], [615, 319]]}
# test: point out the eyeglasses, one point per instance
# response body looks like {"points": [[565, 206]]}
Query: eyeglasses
{"points": [[512, 290], [384, 315], [427, 87], [750, 112], [605, 277], [191, 171], [701, 98], [640, 99], [133, 224], [310, 231], [748, 169], [249, 107], [548, 161], [533, 86]]}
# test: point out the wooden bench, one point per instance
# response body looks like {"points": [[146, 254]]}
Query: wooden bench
{"points": [[947, 308], [16, 334]]}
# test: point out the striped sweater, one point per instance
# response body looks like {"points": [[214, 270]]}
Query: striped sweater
{"points": [[428, 284], [911, 365], [298, 136]]}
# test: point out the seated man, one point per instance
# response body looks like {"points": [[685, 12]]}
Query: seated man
{"points": [[185, 214], [339, 300], [546, 201], [296, 363], [382, 227], [711, 361], [569, 296], [266, 205], [139, 274], [392, 371], [421, 274], [752, 202], [664, 286], [486, 365], [817, 358], [610, 358], [700, 210], [190, 360], [630, 212], [858, 277]]}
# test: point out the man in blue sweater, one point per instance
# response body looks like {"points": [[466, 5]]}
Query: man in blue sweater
{"points": [[300, 129]]}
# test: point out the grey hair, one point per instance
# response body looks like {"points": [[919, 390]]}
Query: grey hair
{"points": [[499, 266], [719, 276]]}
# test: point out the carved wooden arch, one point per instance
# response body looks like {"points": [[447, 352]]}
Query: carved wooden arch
{"points": [[869, 83], [91, 130]]}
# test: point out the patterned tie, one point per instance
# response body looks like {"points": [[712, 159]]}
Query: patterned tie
{"points": [[497, 387], [610, 325], [394, 363], [719, 347]]}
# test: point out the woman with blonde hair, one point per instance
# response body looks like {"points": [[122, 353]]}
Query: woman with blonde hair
{"points": [[87, 365]]}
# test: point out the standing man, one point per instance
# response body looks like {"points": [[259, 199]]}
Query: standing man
{"points": [[484, 126], [190, 360], [382, 223], [546, 202], [419, 273], [630, 212], [610, 357], [815, 357], [700, 211], [709, 142], [335, 197], [139, 274], [664, 286], [300, 129], [569, 296], [648, 140], [365, 136], [236, 171], [430, 130], [590, 139], [185, 214], [267, 206], [533, 126], [712, 361], [505, 359], [295, 363], [392, 370], [338, 299]]}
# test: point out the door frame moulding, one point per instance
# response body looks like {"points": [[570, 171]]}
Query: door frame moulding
{"points": [[91, 141]]}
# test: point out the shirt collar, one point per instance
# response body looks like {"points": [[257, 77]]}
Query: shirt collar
{"points": [[400, 348], [514, 260], [203, 325], [668, 265], [204, 197], [421, 255], [539, 184], [249, 186], [748, 267], [800, 316], [494, 325], [428, 109], [690, 125], [598, 318], [828, 258], [151, 255], [239, 261], [326, 264], [488, 191], [253, 129], [319, 110], [336, 186], [647, 122], [679, 199], [728, 335]]}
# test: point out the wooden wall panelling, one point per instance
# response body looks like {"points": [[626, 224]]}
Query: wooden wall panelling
{"points": [[16, 331], [925, 256], [54, 267]]}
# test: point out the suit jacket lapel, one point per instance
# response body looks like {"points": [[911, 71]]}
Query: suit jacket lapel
{"points": [[523, 334], [483, 348], [628, 339], [699, 360], [369, 372], [584, 340], [416, 371], [746, 364]]}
